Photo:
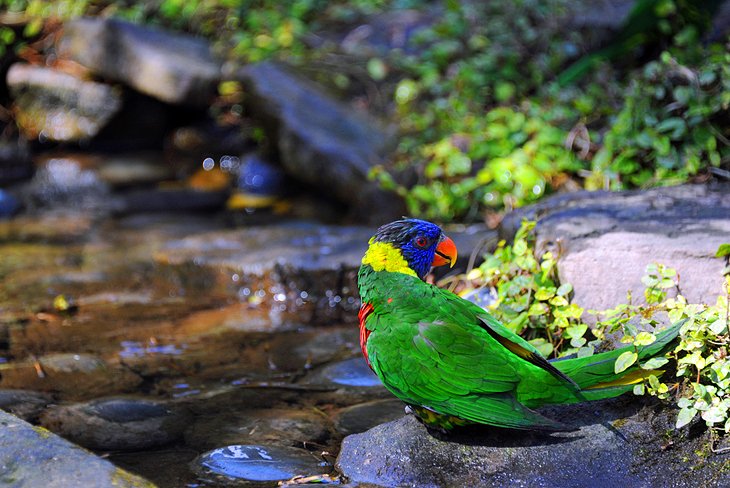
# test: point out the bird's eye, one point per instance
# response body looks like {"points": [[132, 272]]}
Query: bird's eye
{"points": [[421, 241]]}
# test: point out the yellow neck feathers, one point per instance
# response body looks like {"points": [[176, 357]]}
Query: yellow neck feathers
{"points": [[382, 256]]}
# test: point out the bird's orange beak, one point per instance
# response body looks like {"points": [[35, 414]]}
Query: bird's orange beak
{"points": [[445, 253]]}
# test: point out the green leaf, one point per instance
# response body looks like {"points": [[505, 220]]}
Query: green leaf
{"points": [[625, 360], [723, 250], [545, 293], [714, 415], [564, 289], [685, 416], [644, 339], [639, 389], [655, 363]]}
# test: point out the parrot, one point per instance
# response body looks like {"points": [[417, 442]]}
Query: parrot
{"points": [[450, 361]]}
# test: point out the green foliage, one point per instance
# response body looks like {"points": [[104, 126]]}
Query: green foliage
{"points": [[528, 299], [672, 126]]}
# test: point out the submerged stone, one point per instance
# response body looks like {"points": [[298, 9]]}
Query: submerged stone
{"points": [[258, 463], [362, 417], [278, 426], [351, 372], [118, 423], [70, 375]]}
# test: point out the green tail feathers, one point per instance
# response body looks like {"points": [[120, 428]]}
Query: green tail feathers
{"points": [[595, 374]]}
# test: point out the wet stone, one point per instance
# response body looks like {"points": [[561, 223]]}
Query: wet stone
{"points": [[65, 182], [301, 267], [55, 105], [118, 423], [351, 372], [362, 417], [257, 464], [287, 427], [9, 204], [24, 403], [72, 376]]}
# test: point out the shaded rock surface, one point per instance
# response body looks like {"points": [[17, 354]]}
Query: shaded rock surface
{"points": [[170, 67], [605, 237], [57, 106], [31, 456], [25, 404], [117, 423], [321, 141], [403, 453]]}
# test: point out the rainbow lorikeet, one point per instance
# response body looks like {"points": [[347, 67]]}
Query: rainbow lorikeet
{"points": [[450, 360]]}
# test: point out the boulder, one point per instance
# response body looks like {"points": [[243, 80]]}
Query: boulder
{"points": [[117, 423], [32, 456], [404, 453], [605, 240], [50, 104], [174, 68], [320, 141]]}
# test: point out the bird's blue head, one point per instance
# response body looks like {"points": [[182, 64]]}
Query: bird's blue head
{"points": [[418, 246]]}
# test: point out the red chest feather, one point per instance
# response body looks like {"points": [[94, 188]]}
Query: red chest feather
{"points": [[365, 310]]}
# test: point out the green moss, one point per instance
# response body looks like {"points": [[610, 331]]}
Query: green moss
{"points": [[125, 479]]}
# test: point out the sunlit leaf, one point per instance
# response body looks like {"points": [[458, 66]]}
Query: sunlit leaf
{"points": [[685, 416], [625, 360]]}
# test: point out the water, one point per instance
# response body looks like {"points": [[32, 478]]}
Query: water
{"points": [[95, 309]]}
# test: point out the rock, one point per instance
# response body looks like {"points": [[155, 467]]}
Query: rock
{"points": [[65, 182], [9, 205], [71, 375], [257, 463], [32, 456], [131, 169], [603, 238], [25, 404], [403, 453], [365, 416], [297, 267], [173, 68], [321, 141], [350, 372], [15, 161], [54, 105], [117, 423], [277, 426], [389, 31], [256, 176]]}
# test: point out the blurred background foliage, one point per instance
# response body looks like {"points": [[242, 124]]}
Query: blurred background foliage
{"points": [[497, 103]]}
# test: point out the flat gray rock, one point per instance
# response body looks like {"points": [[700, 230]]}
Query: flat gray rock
{"points": [[32, 456], [54, 105], [605, 240], [173, 68], [321, 141], [403, 453]]}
